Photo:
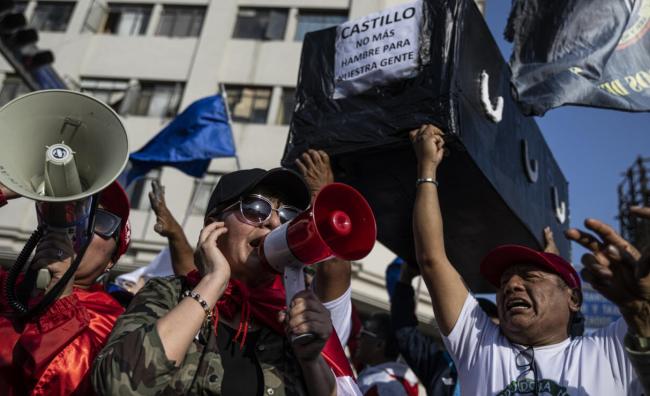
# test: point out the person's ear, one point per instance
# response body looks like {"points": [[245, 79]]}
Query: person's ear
{"points": [[575, 300]]}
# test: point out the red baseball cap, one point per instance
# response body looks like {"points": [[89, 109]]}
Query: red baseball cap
{"points": [[501, 258], [114, 199]]}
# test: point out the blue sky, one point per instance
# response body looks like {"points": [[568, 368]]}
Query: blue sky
{"points": [[592, 146]]}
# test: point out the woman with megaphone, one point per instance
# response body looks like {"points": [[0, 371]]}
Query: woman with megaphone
{"points": [[225, 329], [51, 354]]}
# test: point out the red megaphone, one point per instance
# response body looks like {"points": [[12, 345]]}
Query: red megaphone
{"points": [[339, 224]]}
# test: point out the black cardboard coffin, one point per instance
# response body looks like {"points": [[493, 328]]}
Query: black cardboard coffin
{"points": [[499, 184]]}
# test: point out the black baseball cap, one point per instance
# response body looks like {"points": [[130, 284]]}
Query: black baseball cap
{"points": [[287, 184]]}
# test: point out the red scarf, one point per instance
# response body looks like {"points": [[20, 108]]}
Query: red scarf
{"points": [[263, 304]]}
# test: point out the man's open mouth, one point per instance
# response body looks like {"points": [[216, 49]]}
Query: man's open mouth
{"points": [[517, 305]]}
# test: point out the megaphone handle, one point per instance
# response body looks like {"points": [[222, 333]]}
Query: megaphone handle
{"points": [[294, 282]]}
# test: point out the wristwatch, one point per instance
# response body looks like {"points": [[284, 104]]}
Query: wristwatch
{"points": [[637, 343]]}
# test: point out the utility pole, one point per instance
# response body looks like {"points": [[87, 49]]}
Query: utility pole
{"points": [[18, 47]]}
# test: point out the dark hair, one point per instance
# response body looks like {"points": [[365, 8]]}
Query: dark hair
{"points": [[384, 330], [488, 307]]}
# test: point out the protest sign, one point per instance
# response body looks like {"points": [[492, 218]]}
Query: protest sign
{"points": [[378, 49]]}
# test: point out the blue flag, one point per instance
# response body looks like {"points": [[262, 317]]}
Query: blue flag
{"points": [[201, 132]]}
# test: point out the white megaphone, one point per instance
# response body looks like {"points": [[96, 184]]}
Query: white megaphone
{"points": [[339, 224], [60, 148]]}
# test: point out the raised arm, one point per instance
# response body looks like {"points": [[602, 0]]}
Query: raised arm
{"points": [[332, 276], [216, 273], [446, 287], [181, 252], [549, 242], [618, 271]]}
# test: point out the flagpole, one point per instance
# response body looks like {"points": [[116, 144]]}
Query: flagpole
{"points": [[224, 94]]}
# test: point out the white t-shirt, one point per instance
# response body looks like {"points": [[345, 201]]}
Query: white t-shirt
{"points": [[341, 314], [591, 365]]}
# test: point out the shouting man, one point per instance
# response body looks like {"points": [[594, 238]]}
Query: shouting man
{"points": [[538, 297]]}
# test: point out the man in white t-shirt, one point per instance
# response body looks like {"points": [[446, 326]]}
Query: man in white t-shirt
{"points": [[530, 351]]}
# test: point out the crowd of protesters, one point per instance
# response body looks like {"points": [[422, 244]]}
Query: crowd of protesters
{"points": [[213, 319]]}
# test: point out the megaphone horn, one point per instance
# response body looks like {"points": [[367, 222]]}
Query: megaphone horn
{"points": [[339, 224], [70, 147], [52, 132]]}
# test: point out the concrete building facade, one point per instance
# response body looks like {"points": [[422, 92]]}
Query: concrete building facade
{"points": [[149, 59]]}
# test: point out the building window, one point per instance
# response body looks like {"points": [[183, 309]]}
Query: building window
{"points": [[248, 104], [202, 190], [312, 20], [157, 99], [181, 21], [52, 16], [138, 191], [96, 17], [12, 87], [287, 103], [261, 23], [111, 92], [127, 19]]}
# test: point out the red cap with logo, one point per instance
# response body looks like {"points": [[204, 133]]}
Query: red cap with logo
{"points": [[114, 199], [501, 258]]}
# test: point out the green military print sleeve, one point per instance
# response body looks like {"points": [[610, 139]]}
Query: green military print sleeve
{"points": [[134, 361]]}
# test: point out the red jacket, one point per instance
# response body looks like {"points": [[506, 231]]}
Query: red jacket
{"points": [[53, 354]]}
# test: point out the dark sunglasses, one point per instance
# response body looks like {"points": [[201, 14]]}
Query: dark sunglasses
{"points": [[107, 225], [257, 209]]}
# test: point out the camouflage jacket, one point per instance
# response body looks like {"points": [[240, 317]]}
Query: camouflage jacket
{"points": [[133, 362]]}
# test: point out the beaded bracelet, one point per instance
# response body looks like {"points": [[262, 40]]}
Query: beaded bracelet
{"points": [[197, 297]]}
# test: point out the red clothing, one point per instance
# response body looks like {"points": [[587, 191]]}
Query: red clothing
{"points": [[264, 303], [53, 354]]}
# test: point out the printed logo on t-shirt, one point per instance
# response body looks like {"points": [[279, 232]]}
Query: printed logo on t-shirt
{"points": [[526, 386]]}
